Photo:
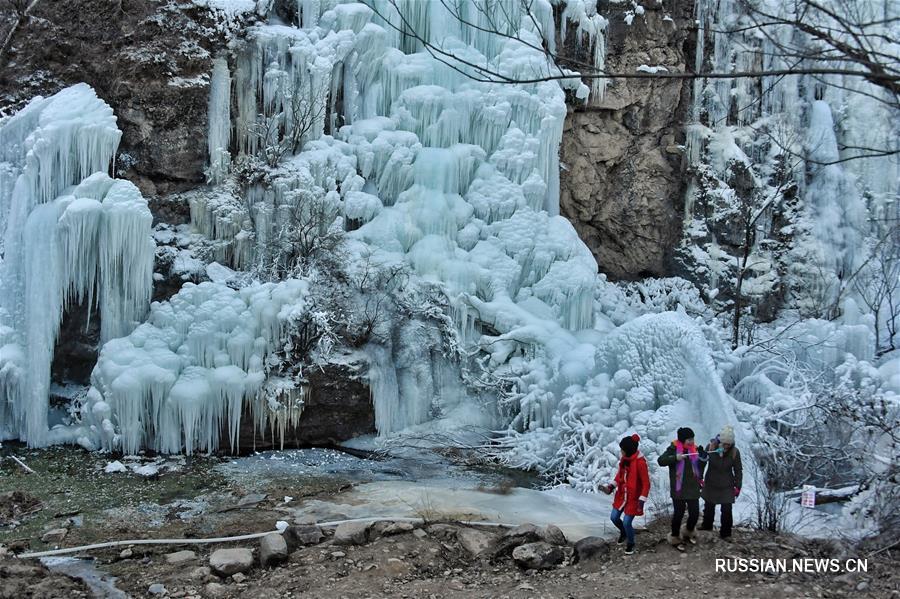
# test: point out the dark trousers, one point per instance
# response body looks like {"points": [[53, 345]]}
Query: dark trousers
{"points": [[693, 510], [709, 514]]}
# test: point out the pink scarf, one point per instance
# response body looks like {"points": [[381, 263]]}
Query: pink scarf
{"points": [[679, 469]]}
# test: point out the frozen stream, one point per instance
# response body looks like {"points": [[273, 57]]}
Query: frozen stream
{"points": [[421, 483], [417, 482], [101, 584]]}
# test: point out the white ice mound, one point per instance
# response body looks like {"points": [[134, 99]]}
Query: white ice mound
{"points": [[181, 379], [651, 375], [70, 237]]}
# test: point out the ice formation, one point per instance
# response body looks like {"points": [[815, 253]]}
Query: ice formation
{"points": [[188, 374], [459, 179], [72, 236], [452, 173], [651, 374], [219, 112], [756, 120], [808, 129]]}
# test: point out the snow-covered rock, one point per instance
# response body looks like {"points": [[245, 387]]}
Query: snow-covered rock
{"points": [[181, 557], [474, 541], [115, 466]]}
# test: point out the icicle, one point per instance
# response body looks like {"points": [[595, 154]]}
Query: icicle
{"points": [[61, 250], [219, 136]]}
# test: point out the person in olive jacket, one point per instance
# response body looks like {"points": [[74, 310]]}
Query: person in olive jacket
{"points": [[722, 485], [686, 463]]}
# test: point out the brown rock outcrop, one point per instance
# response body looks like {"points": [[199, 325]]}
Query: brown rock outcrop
{"points": [[621, 183]]}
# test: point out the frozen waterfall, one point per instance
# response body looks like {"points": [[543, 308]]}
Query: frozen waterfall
{"points": [[423, 164], [72, 236]]}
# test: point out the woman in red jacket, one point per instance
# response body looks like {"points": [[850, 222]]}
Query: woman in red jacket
{"points": [[632, 486]]}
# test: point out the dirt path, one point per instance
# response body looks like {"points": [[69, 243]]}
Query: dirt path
{"points": [[434, 564]]}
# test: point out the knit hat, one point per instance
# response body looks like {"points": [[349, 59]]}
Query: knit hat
{"points": [[629, 444], [727, 434], [685, 433]]}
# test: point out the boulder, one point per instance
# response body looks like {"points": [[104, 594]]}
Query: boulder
{"points": [[199, 573], [522, 530], [352, 533], [157, 589], [302, 535], [272, 550], [591, 548], [180, 557], [553, 535], [538, 556], [226, 562], [387, 528], [215, 589], [54, 536], [512, 538], [474, 541]]}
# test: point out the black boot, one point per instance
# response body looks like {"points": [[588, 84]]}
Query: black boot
{"points": [[622, 535]]}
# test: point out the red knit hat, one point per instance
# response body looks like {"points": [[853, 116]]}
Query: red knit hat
{"points": [[629, 445]]}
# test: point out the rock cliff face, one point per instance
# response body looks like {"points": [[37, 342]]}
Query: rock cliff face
{"points": [[148, 59], [621, 183], [338, 407]]}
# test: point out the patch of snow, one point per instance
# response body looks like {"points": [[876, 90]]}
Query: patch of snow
{"points": [[115, 466]]}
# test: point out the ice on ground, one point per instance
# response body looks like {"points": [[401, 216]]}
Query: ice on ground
{"points": [[100, 583], [115, 466], [577, 514]]}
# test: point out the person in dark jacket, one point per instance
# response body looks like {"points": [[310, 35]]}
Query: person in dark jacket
{"points": [[632, 487], [722, 485], [686, 463]]}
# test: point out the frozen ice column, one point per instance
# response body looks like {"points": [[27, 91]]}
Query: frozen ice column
{"points": [[63, 243]]}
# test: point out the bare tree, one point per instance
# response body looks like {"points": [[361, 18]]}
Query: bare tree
{"points": [[303, 231], [878, 285], [837, 434], [846, 35], [752, 209], [855, 57], [284, 132]]}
